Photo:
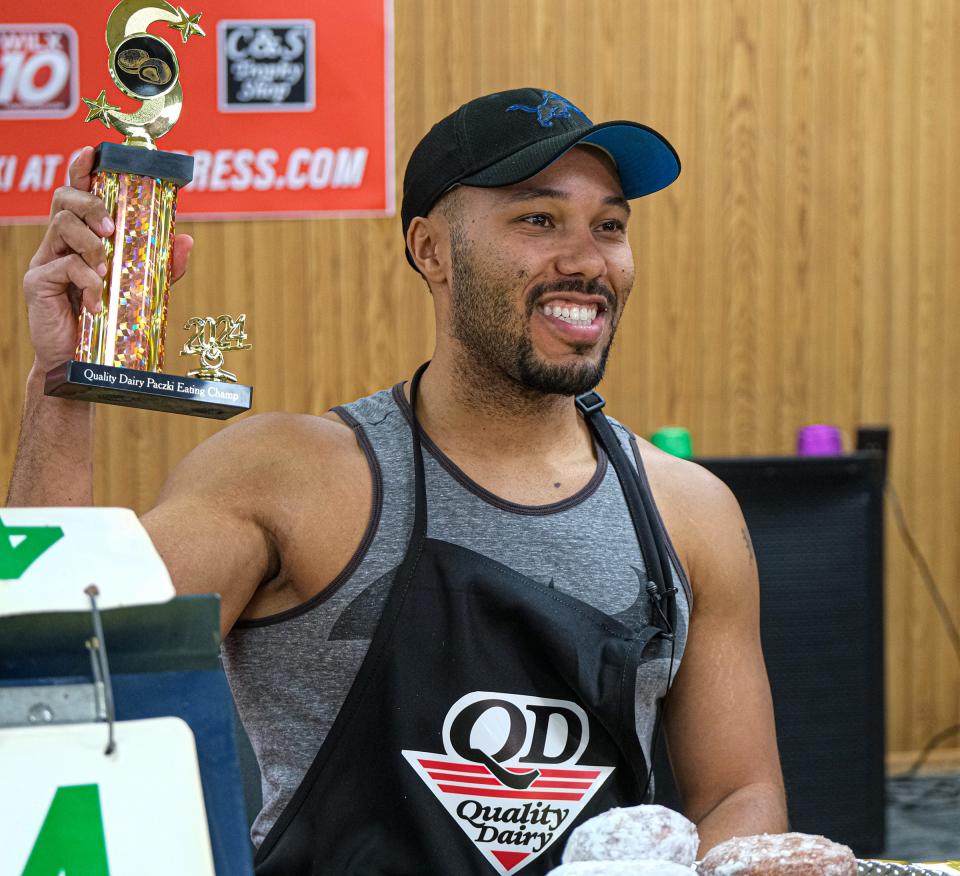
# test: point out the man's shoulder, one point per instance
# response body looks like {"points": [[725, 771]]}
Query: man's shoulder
{"points": [[278, 442], [682, 479], [698, 509], [276, 449], [269, 432]]}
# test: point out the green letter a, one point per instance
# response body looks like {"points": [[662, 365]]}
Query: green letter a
{"points": [[71, 841], [16, 559]]}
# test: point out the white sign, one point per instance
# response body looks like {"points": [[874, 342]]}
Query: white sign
{"points": [[66, 807], [49, 556]]}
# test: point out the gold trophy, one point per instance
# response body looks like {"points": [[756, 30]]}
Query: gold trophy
{"points": [[119, 357]]}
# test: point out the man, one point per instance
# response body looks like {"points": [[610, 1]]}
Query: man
{"points": [[451, 610]]}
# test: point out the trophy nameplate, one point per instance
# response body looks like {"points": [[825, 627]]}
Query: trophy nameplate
{"points": [[120, 353]]}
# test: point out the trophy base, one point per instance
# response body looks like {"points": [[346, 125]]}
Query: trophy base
{"points": [[148, 389]]}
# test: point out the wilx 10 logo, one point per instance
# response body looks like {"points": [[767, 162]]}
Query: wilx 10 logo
{"points": [[509, 775], [39, 73]]}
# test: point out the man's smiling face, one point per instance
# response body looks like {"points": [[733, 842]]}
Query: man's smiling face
{"points": [[541, 271]]}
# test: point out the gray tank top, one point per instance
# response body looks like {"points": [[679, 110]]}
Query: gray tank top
{"points": [[291, 672]]}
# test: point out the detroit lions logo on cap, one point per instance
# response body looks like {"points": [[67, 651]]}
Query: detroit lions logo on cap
{"points": [[553, 106]]}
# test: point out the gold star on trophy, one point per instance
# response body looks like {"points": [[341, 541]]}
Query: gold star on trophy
{"points": [[99, 108], [188, 24]]}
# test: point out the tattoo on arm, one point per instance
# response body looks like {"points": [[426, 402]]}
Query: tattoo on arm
{"points": [[749, 544]]}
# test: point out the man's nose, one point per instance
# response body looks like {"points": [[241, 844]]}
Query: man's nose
{"points": [[579, 253]]}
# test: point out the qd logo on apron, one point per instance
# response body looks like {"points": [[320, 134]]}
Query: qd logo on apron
{"points": [[509, 774]]}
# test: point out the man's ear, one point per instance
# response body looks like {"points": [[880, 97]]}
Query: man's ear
{"points": [[424, 238]]}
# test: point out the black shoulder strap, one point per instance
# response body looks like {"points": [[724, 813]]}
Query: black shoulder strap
{"points": [[642, 512], [419, 479]]}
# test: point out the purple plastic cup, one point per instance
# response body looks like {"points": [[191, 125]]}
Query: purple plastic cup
{"points": [[819, 440]]}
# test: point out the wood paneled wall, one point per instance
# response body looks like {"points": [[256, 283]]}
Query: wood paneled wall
{"points": [[805, 267]]}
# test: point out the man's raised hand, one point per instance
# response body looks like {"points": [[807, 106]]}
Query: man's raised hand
{"points": [[68, 267]]}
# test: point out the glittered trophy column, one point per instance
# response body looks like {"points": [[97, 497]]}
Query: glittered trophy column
{"points": [[129, 331], [120, 353]]}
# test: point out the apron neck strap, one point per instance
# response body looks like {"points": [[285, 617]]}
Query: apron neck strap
{"points": [[420, 486], [640, 504], [642, 511]]}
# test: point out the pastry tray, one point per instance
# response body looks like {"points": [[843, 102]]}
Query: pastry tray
{"points": [[883, 868]]}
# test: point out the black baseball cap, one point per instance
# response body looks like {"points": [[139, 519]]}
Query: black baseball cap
{"points": [[504, 138]]}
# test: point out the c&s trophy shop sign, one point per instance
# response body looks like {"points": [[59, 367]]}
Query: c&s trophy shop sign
{"points": [[119, 357]]}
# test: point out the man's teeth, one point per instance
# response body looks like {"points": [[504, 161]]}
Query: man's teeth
{"points": [[581, 316]]}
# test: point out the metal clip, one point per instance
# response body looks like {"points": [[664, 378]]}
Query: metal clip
{"points": [[100, 665]]}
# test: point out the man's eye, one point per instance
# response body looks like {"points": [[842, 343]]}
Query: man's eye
{"points": [[613, 225], [541, 219]]}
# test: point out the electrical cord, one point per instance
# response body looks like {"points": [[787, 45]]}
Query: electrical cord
{"points": [[904, 788], [897, 507], [932, 743], [913, 791]]}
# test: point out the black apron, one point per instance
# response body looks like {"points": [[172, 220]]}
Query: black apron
{"points": [[490, 715]]}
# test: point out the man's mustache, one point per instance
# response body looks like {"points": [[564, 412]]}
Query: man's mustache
{"points": [[594, 287]]}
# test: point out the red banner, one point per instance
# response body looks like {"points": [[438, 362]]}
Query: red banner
{"points": [[288, 110]]}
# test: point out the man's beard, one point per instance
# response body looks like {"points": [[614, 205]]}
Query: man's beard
{"points": [[484, 322]]}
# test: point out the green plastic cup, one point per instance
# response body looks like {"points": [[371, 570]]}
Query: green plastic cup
{"points": [[674, 440]]}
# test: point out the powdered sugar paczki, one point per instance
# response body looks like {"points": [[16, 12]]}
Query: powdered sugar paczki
{"points": [[635, 833], [784, 854], [622, 868]]}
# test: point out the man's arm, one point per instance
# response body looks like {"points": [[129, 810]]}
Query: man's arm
{"points": [[210, 524], [204, 527], [54, 461], [54, 456], [719, 715], [206, 524]]}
